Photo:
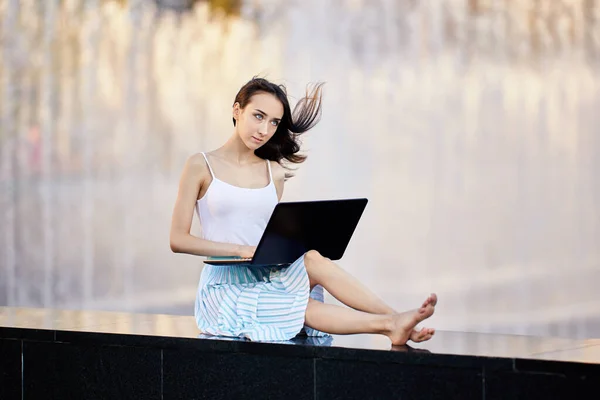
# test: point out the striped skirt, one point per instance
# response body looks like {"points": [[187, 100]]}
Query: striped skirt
{"points": [[260, 304]]}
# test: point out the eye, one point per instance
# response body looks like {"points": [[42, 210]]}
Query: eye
{"points": [[258, 117], [275, 123]]}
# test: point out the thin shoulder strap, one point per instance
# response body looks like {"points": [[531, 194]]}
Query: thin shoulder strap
{"points": [[270, 173], [212, 174]]}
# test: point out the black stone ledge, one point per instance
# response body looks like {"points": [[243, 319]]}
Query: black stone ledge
{"points": [[43, 335], [564, 368], [410, 355], [492, 352], [396, 355], [403, 355], [184, 343]]}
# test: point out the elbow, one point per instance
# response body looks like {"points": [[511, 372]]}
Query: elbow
{"points": [[174, 244]]}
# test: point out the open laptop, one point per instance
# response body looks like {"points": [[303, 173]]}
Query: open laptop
{"points": [[296, 227]]}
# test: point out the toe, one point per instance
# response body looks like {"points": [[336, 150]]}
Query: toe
{"points": [[418, 336], [423, 339], [422, 335], [433, 298], [430, 301]]}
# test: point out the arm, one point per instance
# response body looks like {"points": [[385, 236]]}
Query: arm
{"points": [[194, 176], [278, 178]]}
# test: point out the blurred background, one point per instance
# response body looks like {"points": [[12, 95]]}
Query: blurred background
{"points": [[473, 127]]}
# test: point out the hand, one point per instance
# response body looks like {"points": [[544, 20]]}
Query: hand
{"points": [[246, 251]]}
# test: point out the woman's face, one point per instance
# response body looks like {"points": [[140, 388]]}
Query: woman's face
{"points": [[258, 121]]}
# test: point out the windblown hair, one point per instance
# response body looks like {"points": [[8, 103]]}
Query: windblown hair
{"points": [[284, 144]]}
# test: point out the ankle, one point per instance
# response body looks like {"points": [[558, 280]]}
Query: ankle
{"points": [[386, 324]]}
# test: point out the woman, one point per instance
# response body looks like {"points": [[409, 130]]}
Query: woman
{"points": [[234, 190]]}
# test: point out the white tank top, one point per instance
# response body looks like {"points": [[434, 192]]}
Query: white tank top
{"points": [[232, 214]]}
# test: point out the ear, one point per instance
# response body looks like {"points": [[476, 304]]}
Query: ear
{"points": [[236, 111]]}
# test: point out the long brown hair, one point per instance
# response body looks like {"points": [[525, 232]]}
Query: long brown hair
{"points": [[284, 144]]}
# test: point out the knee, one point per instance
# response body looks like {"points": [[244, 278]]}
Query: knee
{"points": [[311, 256], [311, 260]]}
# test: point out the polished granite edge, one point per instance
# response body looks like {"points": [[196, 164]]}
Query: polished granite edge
{"points": [[399, 355], [566, 368], [183, 343], [469, 350], [45, 335], [404, 354], [413, 356]]}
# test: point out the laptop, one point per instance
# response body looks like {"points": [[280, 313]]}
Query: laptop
{"points": [[297, 227]]}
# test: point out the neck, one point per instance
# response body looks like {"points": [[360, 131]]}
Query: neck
{"points": [[235, 150]]}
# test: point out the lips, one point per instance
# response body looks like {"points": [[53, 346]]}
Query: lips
{"points": [[256, 139]]}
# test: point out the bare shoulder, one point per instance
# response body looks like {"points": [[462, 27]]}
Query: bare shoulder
{"points": [[278, 171], [196, 164], [195, 170], [196, 161]]}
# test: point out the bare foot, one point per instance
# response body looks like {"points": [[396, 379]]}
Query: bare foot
{"points": [[402, 326], [423, 335]]}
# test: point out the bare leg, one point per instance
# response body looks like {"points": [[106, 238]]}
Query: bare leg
{"points": [[343, 286], [340, 320], [352, 293]]}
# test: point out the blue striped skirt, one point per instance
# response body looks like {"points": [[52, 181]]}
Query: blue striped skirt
{"points": [[260, 304]]}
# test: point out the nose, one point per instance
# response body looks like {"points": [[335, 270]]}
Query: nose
{"points": [[263, 128]]}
